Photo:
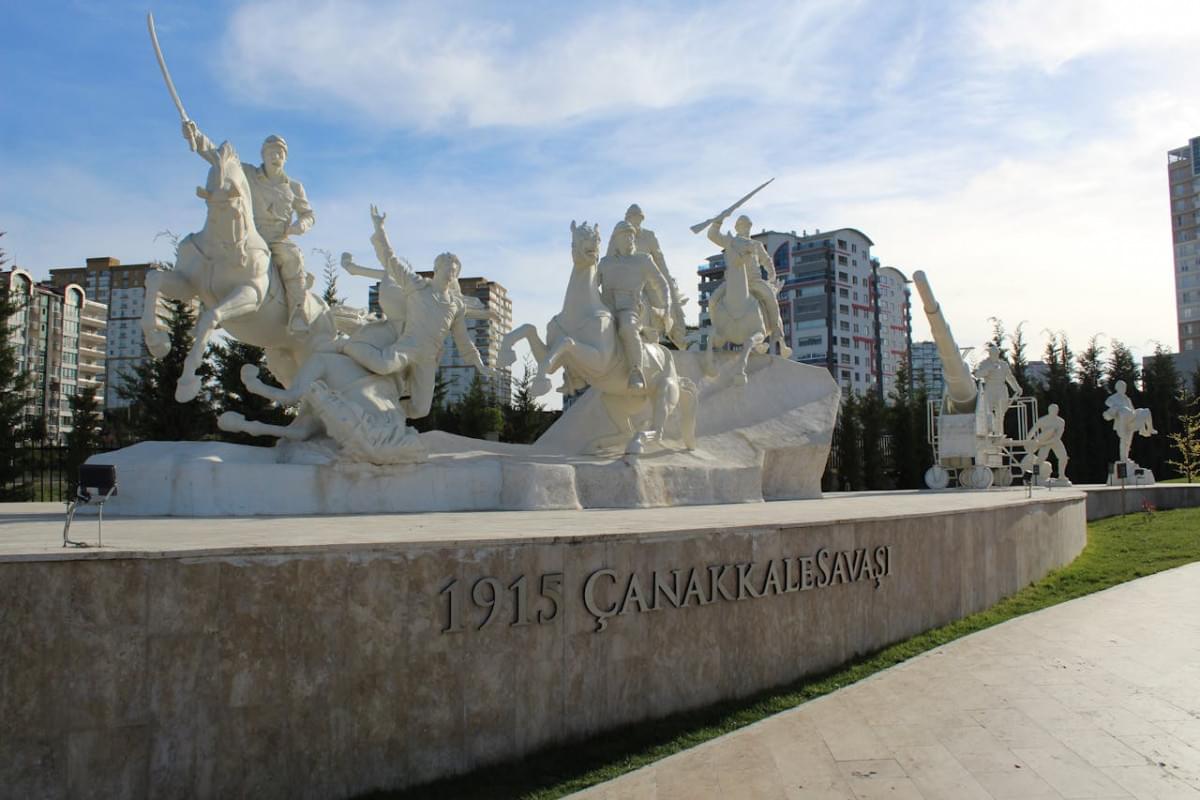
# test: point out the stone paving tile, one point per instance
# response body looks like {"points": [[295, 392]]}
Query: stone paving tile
{"points": [[1096, 698]]}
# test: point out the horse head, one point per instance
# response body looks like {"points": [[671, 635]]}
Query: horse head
{"points": [[227, 194], [585, 244]]}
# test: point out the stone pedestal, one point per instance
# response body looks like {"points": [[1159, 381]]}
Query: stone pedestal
{"points": [[1133, 475], [331, 656]]}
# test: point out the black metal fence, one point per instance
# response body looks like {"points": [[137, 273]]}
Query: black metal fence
{"points": [[42, 471]]}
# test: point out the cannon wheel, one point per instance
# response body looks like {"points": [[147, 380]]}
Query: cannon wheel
{"points": [[937, 477], [1003, 475], [976, 477]]}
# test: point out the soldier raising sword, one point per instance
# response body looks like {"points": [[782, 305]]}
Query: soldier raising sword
{"points": [[281, 207]]}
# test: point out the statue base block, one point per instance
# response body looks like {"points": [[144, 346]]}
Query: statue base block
{"points": [[767, 440], [1134, 475]]}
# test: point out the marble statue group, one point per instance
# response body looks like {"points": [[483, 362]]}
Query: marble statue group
{"points": [[357, 381]]}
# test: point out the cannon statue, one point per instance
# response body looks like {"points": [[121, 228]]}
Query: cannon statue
{"points": [[969, 444]]}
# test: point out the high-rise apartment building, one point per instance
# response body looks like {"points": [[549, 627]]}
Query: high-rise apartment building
{"points": [[59, 336], [1183, 175], [121, 287], [488, 332], [840, 309], [927, 368]]}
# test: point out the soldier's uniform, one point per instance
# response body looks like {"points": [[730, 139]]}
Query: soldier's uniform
{"points": [[623, 279], [276, 201]]}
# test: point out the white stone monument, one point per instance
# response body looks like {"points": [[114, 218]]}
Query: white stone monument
{"points": [[1127, 421]]}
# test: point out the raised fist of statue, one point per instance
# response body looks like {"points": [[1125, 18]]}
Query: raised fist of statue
{"points": [[377, 217], [190, 132]]}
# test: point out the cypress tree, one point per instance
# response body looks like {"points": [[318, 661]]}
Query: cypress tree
{"points": [[1096, 445], [1163, 395]]}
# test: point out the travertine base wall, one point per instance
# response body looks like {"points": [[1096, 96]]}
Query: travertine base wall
{"points": [[1111, 501], [325, 674]]}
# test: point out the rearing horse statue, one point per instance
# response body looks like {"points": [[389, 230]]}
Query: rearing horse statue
{"points": [[226, 266], [582, 340]]}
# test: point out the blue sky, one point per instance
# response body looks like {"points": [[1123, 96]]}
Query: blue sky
{"points": [[1015, 151]]}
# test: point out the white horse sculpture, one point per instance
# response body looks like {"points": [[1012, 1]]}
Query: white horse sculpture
{"points": [[582, 339], [737, 319], [226, 266]]}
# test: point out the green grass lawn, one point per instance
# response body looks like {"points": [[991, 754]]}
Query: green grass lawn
{"points": [[1119, 549]]}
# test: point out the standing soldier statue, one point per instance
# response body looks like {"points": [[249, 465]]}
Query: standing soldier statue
{"points": [[281, 210]]}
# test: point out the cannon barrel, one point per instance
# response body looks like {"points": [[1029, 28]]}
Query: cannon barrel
{"points": [[961, 390]]}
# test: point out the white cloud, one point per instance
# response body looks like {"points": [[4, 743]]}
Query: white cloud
{"points": [[1052, 34], [435, 64]]}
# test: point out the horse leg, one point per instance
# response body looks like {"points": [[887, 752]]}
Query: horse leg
{"points": [[530, 334], [740, 377], [303, 427], [663, 400], [173, 285], [687, 412], [312, 370], [242, 300]]}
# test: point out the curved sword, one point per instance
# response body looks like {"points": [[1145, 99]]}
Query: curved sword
{"points": [[162, 65], [699, 226]]}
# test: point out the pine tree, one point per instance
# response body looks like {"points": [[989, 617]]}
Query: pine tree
{"points": [[230, 394], [871, 418], [153, 413], [1186, 442], [14, 385], [525, 419], [905, 422], [849, 443], [477, 413], [84, 438]]}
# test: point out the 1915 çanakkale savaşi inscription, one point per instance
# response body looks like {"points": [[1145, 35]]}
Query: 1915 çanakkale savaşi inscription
{"points": [[673, 588]]}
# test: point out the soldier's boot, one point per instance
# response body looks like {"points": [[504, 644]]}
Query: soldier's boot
{"points": [[631, 343], [296, 291]]}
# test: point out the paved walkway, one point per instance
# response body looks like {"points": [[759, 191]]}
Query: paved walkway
{"points": [[1099, 697]]}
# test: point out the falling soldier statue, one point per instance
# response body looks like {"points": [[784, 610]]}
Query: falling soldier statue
{"points": [[624, 277], [281, 210]]}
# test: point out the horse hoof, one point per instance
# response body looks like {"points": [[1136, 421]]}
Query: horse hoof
{"points": [[541, 385], [249, 373], [186, 391], [231, 421], [507, 358], [635, 448], [158, 343]]}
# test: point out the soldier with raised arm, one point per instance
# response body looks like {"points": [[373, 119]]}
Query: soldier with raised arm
{"points": [[281, 210], [421, 312], [744, 252], [625, 276]]}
